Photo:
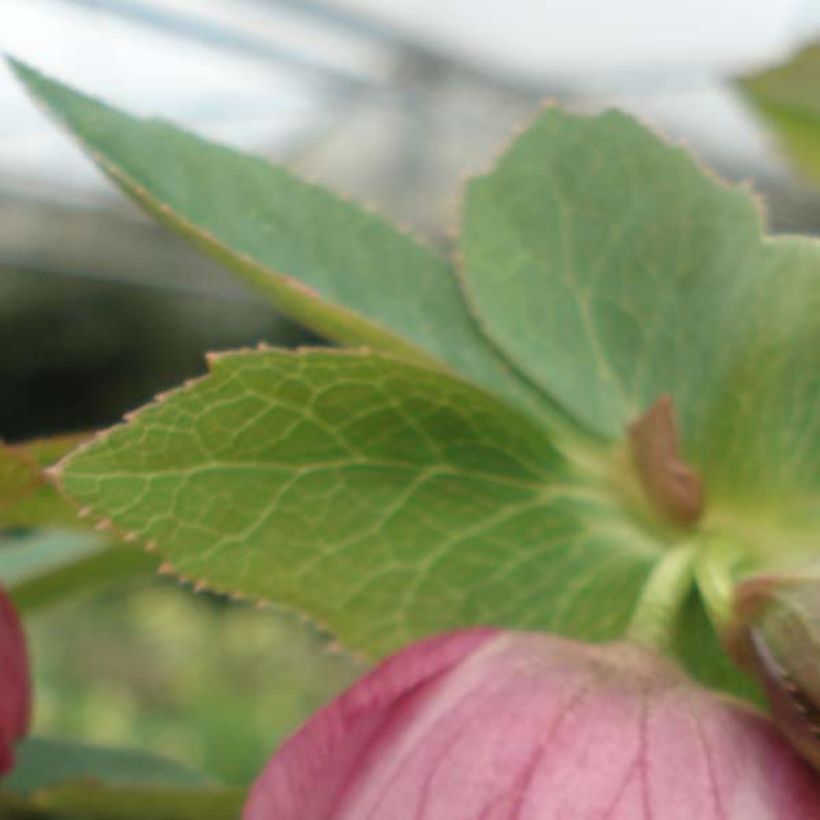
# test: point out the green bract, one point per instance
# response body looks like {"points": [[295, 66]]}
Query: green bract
{"points": [[472, 465]]}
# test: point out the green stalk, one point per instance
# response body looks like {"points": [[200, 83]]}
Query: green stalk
{"points": [[715, 572], [653, 620]]}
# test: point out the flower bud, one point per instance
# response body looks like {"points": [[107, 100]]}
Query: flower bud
{"points": [[777, 636], [525, 726], [14, 683]]}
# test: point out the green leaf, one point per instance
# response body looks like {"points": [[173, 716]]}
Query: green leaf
{"points": [[760, 444], [13, 807], [390, 499], [340, 270], [45, 762], [94, 801], [26, 497], [45, 566], [616, 257], [387, 500], [788, 97], [83, 801], [25, 558], [627, 273], [64, 780]]}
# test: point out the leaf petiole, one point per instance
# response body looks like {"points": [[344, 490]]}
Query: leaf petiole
{"points": [[715, 573], [655, 614]]}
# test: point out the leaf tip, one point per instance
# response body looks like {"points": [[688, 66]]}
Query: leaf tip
{"points": [[23, 71], [547, 103], [53, 473]]}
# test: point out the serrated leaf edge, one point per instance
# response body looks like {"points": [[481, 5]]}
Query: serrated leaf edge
{"points": [[102, 523]]}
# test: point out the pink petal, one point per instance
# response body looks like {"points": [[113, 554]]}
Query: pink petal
{"points": [[14, 683], [309, 773], [524, 726]]}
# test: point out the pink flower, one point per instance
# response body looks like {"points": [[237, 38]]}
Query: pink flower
{"points": [[489, 725], [14, 683]]}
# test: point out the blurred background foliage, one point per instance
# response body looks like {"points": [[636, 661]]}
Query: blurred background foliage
{"points": [[196, 678], [388, 101]]}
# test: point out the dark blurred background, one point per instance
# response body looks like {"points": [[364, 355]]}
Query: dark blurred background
{"points": [[390, 101]]}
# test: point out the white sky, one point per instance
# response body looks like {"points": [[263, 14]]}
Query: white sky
{"points": [[654, 56], [561, 36]]}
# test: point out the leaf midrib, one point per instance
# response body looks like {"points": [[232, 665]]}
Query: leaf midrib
{"points": [[547, 491]]}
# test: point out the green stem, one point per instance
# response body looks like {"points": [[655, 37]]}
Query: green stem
{"points": [[715, 573], [655, 614]]}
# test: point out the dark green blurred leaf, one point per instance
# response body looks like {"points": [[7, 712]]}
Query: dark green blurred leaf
{"points": [[788, 97], [27, 499], [44, 762], [94, 801], [31, 555], [698, 646], [62, 780], [85, 801], [14, 807], [45, 566]]}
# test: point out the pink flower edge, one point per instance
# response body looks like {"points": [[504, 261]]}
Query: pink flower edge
{"points": [[329, 745], [15, 690]]}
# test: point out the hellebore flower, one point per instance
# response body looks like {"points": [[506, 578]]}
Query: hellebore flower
{"points": [[14, 683], [490, 725]]}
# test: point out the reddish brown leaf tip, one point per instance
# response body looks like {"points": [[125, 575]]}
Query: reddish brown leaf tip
{"points": [[673, 487], [52, 474]]}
